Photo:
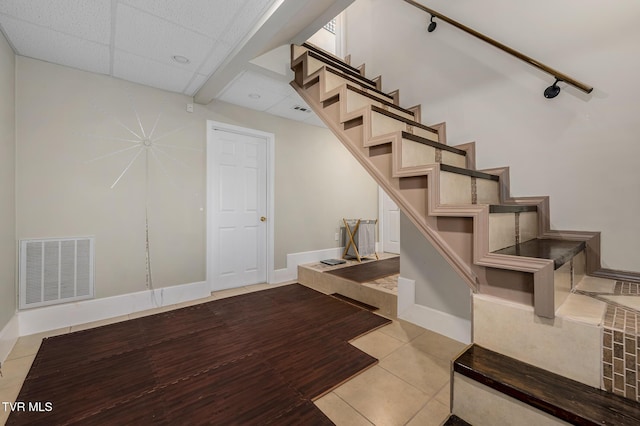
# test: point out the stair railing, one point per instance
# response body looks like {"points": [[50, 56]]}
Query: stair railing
{"points": [[549, 93]]}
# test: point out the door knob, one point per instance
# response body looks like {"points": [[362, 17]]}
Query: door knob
{"points": [[263, 219]]}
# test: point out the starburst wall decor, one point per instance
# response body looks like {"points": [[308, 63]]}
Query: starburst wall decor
{"points": [[146, 146]]}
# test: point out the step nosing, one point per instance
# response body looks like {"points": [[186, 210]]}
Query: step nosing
{"points": [[387, 103], [403, 119], [355, 81], [438, 145], [557, 395], [560, 251], [468, 172], [328, 55], [507, 208], [339, 66]]}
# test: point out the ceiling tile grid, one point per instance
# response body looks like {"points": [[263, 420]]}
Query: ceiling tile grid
{"points": [[136, 40], [45, 44]]}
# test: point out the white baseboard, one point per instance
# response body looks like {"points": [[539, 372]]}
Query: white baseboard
{"points": [[290, 273], [58, 316], [441, 322], [8, 337]]}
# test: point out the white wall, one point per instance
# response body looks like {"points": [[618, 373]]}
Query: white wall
{"points": [[7, 184], [581, 150], [437, 285], [69, 122]]}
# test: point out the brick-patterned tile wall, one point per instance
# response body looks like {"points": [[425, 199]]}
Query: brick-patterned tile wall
{"points": [[621, 346]]}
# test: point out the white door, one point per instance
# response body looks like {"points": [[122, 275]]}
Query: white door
{"points": [[390, 224], [237, 182]]}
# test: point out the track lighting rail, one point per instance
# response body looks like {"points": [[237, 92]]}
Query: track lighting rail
{"points": [[551, 92]]}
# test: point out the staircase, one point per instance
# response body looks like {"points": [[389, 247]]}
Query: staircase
{"points": [[502, 246], [499, 245]]}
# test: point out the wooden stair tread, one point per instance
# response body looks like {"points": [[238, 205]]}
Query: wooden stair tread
{"points": [[347, 71], [425, 141], [403, 119], [382, 101], [559, 396], [355, 81], [329, 55], [454, 420], [468, 172], [560, 251], [512, 208]]}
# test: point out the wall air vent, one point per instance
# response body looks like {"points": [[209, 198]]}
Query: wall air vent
{"points": [[302, 108], [55, 271]]}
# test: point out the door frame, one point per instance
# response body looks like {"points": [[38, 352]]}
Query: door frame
{"points": [[269, 138], [381, 221]]}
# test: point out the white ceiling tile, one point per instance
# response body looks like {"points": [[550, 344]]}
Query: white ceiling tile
{"points": [[51, 46], [145, 71], [239, 90], [154, 38], [86, 19], [285, 108], [246, 21], [207, 17], [315, 121]]}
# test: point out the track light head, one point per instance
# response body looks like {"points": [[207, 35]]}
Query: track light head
{"points": [[553, 90], [432, 25]]}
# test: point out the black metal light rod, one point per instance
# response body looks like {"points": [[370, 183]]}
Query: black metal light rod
{"points": [[559, 76]]}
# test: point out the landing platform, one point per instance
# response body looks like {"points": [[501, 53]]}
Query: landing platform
{"points": [[381, 293], [560, 251]]}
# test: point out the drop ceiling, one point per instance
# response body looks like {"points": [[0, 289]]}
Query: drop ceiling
{"points": [[146, 41]]}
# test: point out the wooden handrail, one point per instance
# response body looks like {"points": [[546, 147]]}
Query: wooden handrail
{"points": [[557, 74]]}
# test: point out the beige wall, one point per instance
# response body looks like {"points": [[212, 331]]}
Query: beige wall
{"points": [[580, 150], [69, 121], [317, 181], [7, 183]]}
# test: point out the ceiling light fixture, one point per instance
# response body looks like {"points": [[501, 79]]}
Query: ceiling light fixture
{"points": [[254, 96], [181, 59]]}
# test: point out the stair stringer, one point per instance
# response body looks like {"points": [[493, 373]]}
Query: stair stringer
{"points": [[458, 264], [541, 269]]}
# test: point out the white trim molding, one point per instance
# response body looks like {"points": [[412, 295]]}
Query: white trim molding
{"points": [[8, 337], [58, 316], [441, 322]]}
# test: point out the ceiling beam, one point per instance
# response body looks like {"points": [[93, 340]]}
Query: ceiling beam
{"points": [[288, 21]]}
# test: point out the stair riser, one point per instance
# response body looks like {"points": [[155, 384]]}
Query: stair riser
{"points": [[508, 229], [417, 154], [480, 405], [462, 189], [332, 82]]}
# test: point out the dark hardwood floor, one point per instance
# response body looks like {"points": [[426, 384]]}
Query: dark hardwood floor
{"points": [[259, 358]]}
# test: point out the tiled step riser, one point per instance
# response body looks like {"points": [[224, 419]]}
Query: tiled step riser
{"points": [[461, 189], [508, 229], [383, 125], [418, 154], [480, 405]]}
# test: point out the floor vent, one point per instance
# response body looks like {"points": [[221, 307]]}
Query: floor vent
{"points": [[55, 271]]}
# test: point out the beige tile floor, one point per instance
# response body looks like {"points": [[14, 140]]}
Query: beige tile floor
{"points": [[409, 386]]}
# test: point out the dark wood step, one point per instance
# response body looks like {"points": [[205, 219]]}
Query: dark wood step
{"points": [[454, 420], [363, 86], [329, 56], [511, 208], [382, 101], [403, 119], [467, 172], [347, 71], [560, 251], [425, 141], [559, 396], [355, 302]]}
